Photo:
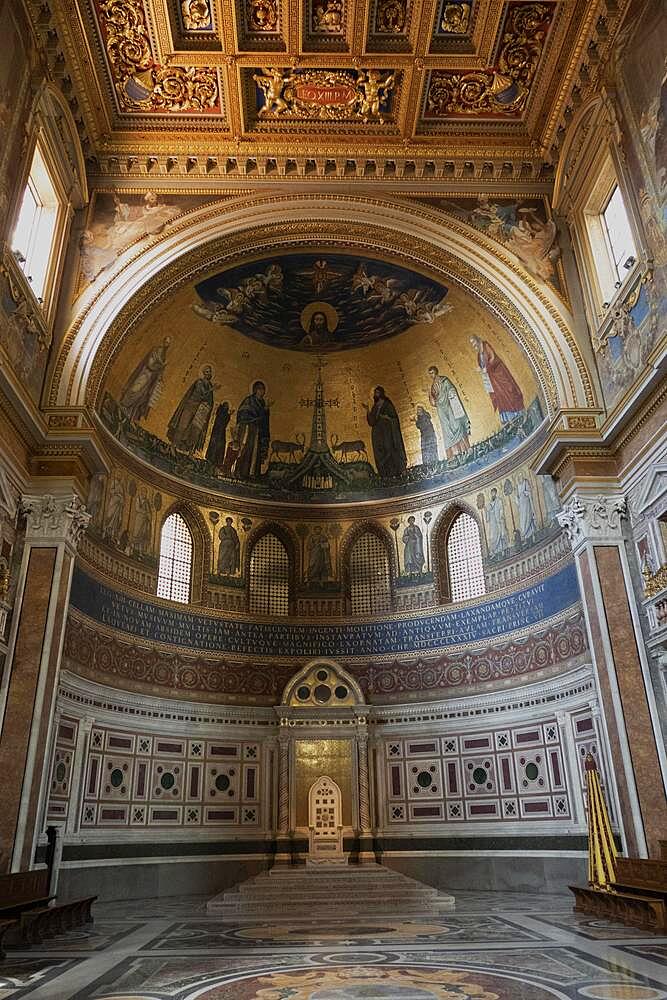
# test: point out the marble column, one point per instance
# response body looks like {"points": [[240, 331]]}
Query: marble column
{"points": [[366, 844], [54, 524], [283, 839], [594, 525]]}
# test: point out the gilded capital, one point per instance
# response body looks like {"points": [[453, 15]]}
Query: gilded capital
{"points": [[55, 518], [593, 519]]}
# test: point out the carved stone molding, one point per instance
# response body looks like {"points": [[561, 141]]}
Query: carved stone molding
{"points": [[593, 519], [54, 518]]}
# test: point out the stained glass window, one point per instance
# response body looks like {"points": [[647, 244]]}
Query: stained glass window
{"points": [[269, 577], [370, 579], [464, 559], [175, 569]]}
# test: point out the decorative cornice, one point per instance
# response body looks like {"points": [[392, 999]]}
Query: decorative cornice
{"points": [[54, 518], [595, 519]]}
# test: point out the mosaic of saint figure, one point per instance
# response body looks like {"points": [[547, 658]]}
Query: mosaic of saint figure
{"points": [[502, 387], [217, 443], [388, 447], [229, 561], [413, 552], [113, 522], [144, 385], [497, 525], [454, 421], [524, 499], [189, 424], [143, 525], [429, 443], [253, 434], [319, 556]]}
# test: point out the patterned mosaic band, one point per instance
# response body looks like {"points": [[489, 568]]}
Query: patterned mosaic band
{"points": [[96, 656], [421, 635]]}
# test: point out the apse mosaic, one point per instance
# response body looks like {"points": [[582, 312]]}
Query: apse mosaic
{"points": [[273, 380]]}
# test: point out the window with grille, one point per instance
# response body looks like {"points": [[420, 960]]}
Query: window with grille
{"points": [[464, 559], [370, 579], [269, 577], [175, 570]]}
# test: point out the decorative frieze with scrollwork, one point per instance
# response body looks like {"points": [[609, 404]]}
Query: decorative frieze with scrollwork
{"points": [[140, 83], [502, 90], [324, 95]]}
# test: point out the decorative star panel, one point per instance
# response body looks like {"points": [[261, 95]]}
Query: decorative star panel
{"points": [[389, 26], [325, 25], [143, 85], [501, 91], [260, 25]]}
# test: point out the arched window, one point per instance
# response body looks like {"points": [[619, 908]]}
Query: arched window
{"points": [[465, 569], [175, 572], [369, 576], [269, 577]]}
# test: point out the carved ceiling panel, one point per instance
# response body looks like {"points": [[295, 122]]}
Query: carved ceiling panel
{"points": [[363, 73]]}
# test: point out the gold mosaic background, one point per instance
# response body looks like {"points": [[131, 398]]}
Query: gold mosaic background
{"points": [[400, 364], [313, 758]]}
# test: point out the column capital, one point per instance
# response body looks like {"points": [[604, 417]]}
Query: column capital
{"points": [[54, 518], [593, 518]]}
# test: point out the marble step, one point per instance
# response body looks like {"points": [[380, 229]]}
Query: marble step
{"points": [[300, 913], [324, 894], [302, 894]]}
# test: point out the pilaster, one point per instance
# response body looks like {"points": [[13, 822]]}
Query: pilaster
{"points": [[54, 524], [594, 525]]}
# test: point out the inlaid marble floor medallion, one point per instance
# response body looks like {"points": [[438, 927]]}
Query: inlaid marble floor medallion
{"points": [[495, 946]]}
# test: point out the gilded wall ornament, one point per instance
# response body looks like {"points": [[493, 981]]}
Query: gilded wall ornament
{"points": [[391, 17], [261, 15], [333, 95], [196, 15], [502, 90], [328, 17], [142, 84], [455, 18]]}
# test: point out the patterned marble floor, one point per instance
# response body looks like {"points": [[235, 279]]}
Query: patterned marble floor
{"points": [[496, 946]]}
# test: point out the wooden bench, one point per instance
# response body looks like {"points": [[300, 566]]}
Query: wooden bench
{"points": [[637, 897], [28, 914], [5, 927], [43, 922], [22, 891], [626, 907]]}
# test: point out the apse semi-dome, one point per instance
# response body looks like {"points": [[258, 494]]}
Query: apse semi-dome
{"points": [[321, 376]]}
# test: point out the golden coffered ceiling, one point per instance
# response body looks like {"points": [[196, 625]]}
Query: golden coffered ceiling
{"points": [[266, 80]]}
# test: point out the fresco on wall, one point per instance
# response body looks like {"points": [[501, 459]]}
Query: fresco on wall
{"points": [[17, 59], [117, 220], [227, 408], [523, 226], [640, 320], [22, 334]]}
